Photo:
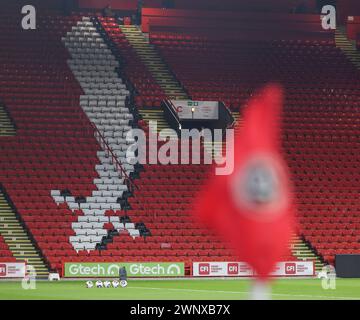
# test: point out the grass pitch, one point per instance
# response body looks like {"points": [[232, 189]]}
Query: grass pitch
{"points": [[282, 289]]}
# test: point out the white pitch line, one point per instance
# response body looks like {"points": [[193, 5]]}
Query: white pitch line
{"points": [[244, 292]]}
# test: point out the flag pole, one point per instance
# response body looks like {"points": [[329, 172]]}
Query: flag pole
{"points": [[260, 290]]}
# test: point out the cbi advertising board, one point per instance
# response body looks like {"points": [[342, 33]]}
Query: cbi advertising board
{"points": [[12, 270], [241, 269], [111, 270], [196, 110]]}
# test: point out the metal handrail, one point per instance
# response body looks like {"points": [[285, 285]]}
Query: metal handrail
{"points": [[231, 115], [175, 115], [99, 137]]}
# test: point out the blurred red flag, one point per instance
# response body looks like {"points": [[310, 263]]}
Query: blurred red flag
{"points": [[253, 207]]}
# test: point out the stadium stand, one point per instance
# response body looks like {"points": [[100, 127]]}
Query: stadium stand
{"points": [[149, 55], [162, 228], [71, 96], [37, 96], [55, 148], [51, 179], [320, 127], [54, 157], [16, 239], [104, 102], [348, 46], [144, 206], [148, 91], [5, 253]]}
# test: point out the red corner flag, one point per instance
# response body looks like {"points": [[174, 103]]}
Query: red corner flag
{"points": [[253, 207]]}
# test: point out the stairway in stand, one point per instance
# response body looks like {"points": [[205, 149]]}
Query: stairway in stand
{"points": [[6, 126], [347, 46], [303, 252], [153, 61], [155, 114], [155, 64], [18, 240]]}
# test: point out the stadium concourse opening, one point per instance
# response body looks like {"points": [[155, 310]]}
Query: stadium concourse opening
{"points": [[247, 187]]}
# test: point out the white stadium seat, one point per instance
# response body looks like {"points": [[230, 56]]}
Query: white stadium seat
{"points": [[94, 66]]}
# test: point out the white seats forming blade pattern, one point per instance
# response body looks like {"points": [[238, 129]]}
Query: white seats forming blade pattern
{"points": [[93, 65]]}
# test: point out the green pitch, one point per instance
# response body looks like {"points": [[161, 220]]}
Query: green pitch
{"points": [[283, 289]]}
